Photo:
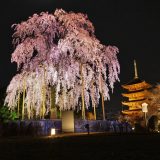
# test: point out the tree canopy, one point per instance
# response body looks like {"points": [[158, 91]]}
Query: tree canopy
{"points": [[60, 50]]}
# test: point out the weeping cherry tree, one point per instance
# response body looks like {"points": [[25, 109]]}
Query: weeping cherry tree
{"points": [[60, 50]]}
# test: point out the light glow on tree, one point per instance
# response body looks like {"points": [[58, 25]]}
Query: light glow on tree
{"points": [[60, 50]]}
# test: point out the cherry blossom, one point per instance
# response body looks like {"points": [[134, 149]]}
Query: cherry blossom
{"points": [[60, 50]]}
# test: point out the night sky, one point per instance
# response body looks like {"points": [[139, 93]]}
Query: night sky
{"points": [[131, 25]]}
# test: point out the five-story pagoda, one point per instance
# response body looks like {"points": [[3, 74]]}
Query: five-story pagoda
{"points": [[135, 95]]}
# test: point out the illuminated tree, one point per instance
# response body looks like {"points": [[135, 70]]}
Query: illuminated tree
{"points": [[153, 96], [60, 50]]}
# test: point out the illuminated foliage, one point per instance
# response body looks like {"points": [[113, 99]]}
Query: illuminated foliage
{"points": [[60, 50], [153, 96]]}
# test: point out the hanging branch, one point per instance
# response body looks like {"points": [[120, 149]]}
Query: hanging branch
{"points": [[18, 103], [93, 101], [24, 90]]}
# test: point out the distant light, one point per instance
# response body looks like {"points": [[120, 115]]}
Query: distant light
{"points": [[158, 131], [53, 131], [133, 128]]}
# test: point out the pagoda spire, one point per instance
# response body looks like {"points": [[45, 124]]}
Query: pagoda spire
{"points": [[135, 70]]}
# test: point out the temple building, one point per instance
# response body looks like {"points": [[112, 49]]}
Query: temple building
{"points": [[135, 95]]}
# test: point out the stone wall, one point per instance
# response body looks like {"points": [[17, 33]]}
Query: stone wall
{"points": [[43, 127], [30, 128], [102, 126]]}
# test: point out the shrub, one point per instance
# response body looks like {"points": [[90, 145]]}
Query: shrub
{"points": [[7, 115]]}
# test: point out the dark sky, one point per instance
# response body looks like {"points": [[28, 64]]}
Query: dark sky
{"points": [[131, 25]]}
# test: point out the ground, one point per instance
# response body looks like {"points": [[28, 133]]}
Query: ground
{"points": [[94, 146]]}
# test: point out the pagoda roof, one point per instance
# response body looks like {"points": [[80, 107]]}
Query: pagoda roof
{"points": [[134, 103], [136, 84], [132, 108], [132, 113], [137, 94]]}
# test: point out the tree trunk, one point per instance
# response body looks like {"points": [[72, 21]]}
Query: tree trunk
{"points": [[83, 107], [102, 97], [43, 94], [94, 106]]}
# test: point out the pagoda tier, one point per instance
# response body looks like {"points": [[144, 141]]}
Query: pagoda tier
{"points": [[132, 113], [136, 85], [135, 95], [134, 104]]}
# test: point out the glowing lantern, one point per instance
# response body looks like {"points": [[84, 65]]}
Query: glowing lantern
{"points": [[145, 110], [144, 107], [53, 131]]}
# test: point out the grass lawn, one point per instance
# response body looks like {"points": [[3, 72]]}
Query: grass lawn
{"points": [[94, 146]]}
